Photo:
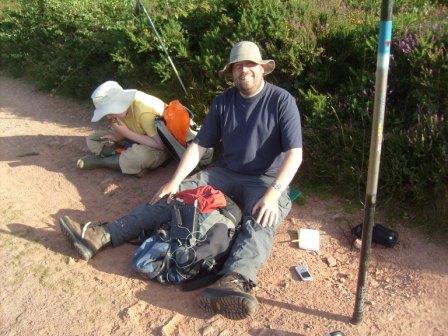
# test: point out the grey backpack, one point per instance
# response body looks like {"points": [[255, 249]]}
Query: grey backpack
{"points": [[191, 248]]}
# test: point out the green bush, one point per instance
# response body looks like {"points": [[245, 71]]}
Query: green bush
{"points": [[325, 55]]}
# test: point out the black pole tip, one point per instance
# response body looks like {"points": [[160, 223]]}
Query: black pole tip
{"points": [[356, 319]]}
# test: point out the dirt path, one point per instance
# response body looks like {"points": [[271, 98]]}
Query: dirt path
{"points": [[45, 291]]}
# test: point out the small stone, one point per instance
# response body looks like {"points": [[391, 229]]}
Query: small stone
{"points": [[110, 189], [224, 332], [343, 277], [208, 331], [331, 262], [357, 244], [284, 284], [212, 319], [307, 326], [132, 312], [124, 314], [170, 327], [373, 283], [71, 261]]}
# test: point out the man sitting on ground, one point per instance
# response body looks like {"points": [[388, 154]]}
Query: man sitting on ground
{"points": [[258, 127], [132, 144]]}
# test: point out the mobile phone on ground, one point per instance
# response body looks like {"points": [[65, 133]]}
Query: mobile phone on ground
{"points": [[303, 272]]}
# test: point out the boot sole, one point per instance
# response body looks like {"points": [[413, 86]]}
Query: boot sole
{"points": [[232, 305], [68, 231]]}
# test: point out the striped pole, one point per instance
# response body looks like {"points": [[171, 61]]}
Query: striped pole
{"points": [[382, 68]]}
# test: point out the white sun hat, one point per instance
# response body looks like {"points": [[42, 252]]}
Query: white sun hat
{"points": [[110, 98], [246, 51]]}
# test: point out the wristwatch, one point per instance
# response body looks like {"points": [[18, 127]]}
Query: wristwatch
{"points": [[278, 187]]}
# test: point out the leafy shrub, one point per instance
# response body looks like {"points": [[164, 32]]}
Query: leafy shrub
{"points": [[325, 55]]}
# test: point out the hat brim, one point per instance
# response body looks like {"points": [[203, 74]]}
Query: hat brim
{"points": [[268, 65], [115, 106]]}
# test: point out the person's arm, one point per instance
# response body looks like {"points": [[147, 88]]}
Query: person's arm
{"points": [[189, 161], [153, 141], [266, 208], [207, 137]]}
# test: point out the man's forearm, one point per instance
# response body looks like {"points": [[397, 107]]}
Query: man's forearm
{"points": [[289, 167], [189, 161]]}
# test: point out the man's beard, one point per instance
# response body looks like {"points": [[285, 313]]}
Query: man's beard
{"points": [[248, 88]]}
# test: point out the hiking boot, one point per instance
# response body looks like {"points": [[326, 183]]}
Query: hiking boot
{"points": [[93, 161], [230, 297], [87, 239]]}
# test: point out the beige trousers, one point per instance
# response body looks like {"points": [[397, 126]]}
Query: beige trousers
{"points": [[134, 159]]}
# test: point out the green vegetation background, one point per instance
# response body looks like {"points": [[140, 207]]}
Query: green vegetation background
{"points": [[325, 54]]}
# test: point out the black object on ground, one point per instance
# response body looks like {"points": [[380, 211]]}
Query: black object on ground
{"points": [[381, 234], [28, 154]]}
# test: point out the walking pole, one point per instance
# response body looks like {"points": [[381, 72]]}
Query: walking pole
{"points": [[151, 23], [382, 67]]}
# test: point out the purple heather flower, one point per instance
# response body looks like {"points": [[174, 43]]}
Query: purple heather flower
{"points": [[407, 43]]}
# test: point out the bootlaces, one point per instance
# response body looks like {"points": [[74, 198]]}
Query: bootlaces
{"points": [[241, 282], [89, 225]]}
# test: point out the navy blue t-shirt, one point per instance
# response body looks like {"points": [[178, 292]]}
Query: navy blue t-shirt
{"points": [[254, 132]]}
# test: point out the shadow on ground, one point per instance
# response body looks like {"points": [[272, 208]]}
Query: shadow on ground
{"points": [[106, 195]]}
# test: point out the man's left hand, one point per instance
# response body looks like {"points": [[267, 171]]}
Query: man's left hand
{"points": [[267, 208]]}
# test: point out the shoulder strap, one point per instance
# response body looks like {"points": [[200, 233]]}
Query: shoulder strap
{"points": [[232, 211]]}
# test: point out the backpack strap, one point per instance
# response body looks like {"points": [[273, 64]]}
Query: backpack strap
{"points": [[232, 211]]}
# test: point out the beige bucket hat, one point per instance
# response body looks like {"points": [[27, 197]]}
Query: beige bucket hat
{"points": [[246, 51], [111, 98]]}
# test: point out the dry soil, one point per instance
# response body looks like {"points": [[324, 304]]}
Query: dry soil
{"points": [[45, 290]]}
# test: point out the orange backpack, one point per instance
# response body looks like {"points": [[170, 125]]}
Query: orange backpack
{"points": [[177, 121]]}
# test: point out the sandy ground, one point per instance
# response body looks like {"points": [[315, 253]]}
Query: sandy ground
{"points": [[45, 290]]}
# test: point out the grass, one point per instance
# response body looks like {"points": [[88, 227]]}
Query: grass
{"points": [[351, 206], [7, 4]]}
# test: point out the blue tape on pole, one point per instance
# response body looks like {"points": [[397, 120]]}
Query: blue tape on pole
{"points": [[385, 37], [384, 45]]}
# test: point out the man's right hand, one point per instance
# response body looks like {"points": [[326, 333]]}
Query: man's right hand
{"points": [[188, 162], [170, 188]]}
